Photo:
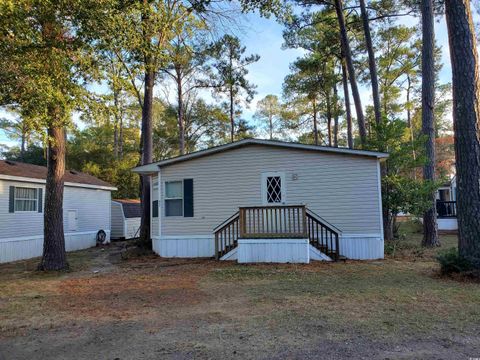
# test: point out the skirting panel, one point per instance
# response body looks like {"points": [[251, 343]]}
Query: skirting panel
{"points": [[362, 247], [184, 246], [27, 248], [273, 250], [447, 224]]}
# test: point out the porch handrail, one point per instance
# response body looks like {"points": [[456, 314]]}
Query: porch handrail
{"points": [[323, 237], [276, 221], [324, 222], [224, 222], [446, 209], [226, 235]]}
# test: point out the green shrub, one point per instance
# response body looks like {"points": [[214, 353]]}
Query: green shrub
{"points": [[452, 262]]}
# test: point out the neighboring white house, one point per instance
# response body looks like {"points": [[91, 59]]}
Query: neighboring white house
{"points": [[86, 210], [126, 215], [260, 200], [447, 206]]}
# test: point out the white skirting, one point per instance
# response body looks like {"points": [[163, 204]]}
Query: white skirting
{"points": [[353, 246], [29, 247], [184, 246], [362, 247], [273, 251], [447, 224]]}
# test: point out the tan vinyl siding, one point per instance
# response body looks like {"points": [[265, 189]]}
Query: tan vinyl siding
{"points": [[343, 189]]}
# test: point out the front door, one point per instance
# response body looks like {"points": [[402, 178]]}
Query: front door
{"points": [[273, 188]]}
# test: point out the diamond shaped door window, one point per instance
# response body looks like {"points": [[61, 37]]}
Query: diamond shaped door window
{"points": [[274, 189]]}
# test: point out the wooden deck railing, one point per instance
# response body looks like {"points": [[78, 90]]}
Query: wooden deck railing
{"points": [[323, 236], [289, 221], [446, 209], [226, 236], [273, 221]]}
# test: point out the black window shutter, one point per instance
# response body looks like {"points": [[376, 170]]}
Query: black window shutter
{"points": [[155, 209], [11, 202], [188, 197], [40, 199]]}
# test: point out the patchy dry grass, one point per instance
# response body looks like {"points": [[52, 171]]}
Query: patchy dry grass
{"points": [[157, 308]]}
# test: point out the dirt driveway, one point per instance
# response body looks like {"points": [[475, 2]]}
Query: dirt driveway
{"points": [[153, 308]]}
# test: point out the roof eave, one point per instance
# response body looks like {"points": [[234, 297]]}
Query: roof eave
{"points": [[155, 167]]}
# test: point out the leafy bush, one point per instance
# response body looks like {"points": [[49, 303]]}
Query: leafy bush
{"points": [[452, 262]]}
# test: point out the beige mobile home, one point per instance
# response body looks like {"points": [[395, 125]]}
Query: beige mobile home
{"points": [[86, 210], [268, 201]]}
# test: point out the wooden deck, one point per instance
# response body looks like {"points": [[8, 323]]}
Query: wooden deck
{"points": [[276, 222]]}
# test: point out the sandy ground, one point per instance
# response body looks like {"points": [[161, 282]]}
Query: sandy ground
{"points": [[152, 308]]}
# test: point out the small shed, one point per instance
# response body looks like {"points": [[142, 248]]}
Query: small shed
{"points": [[126, 215]]}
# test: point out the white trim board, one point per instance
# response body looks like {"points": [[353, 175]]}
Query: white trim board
{"points": [[43, 181]]}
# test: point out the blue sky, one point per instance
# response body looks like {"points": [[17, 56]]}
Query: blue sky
{"points": [[264, 37]]}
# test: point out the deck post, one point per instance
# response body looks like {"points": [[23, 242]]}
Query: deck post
{"points": [[304, 219], [241, 220]]}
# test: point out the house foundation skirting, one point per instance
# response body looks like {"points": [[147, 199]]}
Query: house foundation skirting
{"points": [[362, 246], [353, 246], [189, 246], [21, 248], [273, 251], [447, 224]]}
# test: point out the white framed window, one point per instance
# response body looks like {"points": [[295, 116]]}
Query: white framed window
{"points": [[174, 198], [273, 188], [26, 199]]}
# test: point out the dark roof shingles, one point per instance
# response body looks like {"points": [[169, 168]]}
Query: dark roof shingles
{"points": [[15, 168], [131, 207]]}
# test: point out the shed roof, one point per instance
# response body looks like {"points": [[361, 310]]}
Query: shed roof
{"points": [[24, 170], [131, 207], [153, 167]]}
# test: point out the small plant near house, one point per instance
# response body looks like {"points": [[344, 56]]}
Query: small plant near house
{"points": [[452, 262]]}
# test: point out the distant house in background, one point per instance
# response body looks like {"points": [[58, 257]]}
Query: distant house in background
{"points": [[447, 206], [126, 216], [268, 201], [86, 210]]}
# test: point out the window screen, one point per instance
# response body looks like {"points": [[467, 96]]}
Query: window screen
{"points": [[25, 199], [174, 198]]}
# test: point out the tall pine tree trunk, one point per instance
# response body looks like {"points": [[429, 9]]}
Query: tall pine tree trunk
{"points": [[371, 63], [147, 129], [335, 116], [351, 71], [181, 121], [270, 125], [120, 137], [430, 232], [54, 256], [115, 125], [347, 103], [22, 145], [315, 125], [409, 123], [232, 120], [466, 116], [329, 118]]}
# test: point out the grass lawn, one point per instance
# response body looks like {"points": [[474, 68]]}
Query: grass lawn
{"points": [[152, 308]]}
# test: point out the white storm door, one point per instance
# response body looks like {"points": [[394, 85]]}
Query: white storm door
{"points": [[273, 188]]}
